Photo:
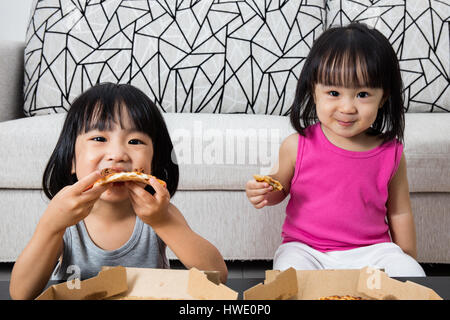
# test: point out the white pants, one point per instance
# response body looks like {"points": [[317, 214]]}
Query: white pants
{"points": [[387, 256]]}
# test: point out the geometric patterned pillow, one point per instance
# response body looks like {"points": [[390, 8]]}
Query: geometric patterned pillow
{"points": [[419, 34], [210, 56]]}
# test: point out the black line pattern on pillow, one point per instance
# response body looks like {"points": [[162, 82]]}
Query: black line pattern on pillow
{"points": [[419, 33], [211, 56]]}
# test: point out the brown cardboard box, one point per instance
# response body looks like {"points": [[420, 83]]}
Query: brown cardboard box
{"points": [[281, 287], [106, 284], [119, 283], [367, 283], [175, 284]]}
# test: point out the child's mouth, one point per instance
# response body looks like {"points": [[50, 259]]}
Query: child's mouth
{"points": [[345, 124], [118, 184]]}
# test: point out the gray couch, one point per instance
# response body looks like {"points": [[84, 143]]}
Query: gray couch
{"points": [[211, 190]]}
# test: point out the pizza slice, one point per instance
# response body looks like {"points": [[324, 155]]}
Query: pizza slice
{"points": [[272, 182], [138, 175], [110, 175]]}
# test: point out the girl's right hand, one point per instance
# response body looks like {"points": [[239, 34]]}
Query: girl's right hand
{"points": [[256, 193], [73, 203]]}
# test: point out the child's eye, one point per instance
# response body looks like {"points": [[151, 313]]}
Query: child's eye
{"points": [[363, 94], [333, 93], [99, 139], [135, 141]]}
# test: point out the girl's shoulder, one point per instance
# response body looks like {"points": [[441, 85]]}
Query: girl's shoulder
{"points": [[290, 143], [289, 147], [393, 144], [291, 139]]}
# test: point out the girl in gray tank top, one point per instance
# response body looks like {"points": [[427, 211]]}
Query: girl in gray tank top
{"points": [[86, 225]]}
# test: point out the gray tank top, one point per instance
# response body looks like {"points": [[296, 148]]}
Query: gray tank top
{"points": [[82, 258]]}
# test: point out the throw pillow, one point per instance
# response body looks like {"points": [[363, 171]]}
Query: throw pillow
{"points": [[234, 56], [419, 34]]}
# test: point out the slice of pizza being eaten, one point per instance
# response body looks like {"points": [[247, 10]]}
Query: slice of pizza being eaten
{"points": [[109, 176]]}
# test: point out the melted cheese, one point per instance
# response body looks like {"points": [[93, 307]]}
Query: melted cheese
{"points": [[128, 174]]}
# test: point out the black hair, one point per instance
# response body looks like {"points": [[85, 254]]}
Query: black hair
{"points": [[352, 56], [98, 108]]}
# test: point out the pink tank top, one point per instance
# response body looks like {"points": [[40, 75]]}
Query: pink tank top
{"points": [[338, 197]]}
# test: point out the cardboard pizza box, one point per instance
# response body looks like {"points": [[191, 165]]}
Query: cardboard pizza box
{"points": [[170, 284], [283, 286], [120, 283], [106, 284], [366, 283]]}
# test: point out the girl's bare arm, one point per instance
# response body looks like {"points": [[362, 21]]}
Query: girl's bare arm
{"points": [[192, 249], [399, 213], [35, 264]]}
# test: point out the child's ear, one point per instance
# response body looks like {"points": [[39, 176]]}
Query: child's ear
{"points": [[72, 171]]}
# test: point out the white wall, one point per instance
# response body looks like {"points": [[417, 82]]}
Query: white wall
{"points": [[14, 16]]}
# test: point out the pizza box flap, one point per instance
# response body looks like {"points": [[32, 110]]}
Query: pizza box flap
{"points": [[376, 284], [281, 287], [106, 284], [200, 287], [170, 284]]}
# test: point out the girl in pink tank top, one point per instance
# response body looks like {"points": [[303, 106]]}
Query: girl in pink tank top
{"points": [[344, 169]]}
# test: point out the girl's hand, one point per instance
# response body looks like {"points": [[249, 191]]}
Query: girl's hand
{"points": [[151, 209], [73, 203], [256, 193]]}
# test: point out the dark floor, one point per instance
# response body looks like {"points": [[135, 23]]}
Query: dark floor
{"points": [[253, 269]]}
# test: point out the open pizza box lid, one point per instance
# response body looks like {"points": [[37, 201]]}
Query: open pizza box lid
{"points": [[119, 283], [106, 284], [281, 286], [366, 283]]}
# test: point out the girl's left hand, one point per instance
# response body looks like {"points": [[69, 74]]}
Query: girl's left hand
{"points": [[151, 209]]}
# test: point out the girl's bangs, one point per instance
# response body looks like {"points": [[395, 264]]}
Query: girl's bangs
{"points": [[348, 68], [105, 106], [103, 115]]}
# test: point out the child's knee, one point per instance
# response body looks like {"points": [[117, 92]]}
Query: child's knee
{"points": [[288, 256], [401, 265]]}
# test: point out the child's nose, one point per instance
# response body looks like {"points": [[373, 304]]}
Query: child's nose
{"points": [[347, 106], [117, 153]]}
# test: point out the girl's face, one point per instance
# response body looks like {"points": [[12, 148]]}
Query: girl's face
{"points": [[120, 148], [347, 113]]}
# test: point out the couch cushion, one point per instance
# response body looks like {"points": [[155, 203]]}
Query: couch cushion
{"points": [[188, 56], [419, 34], [427, 151], [218, 152]]}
